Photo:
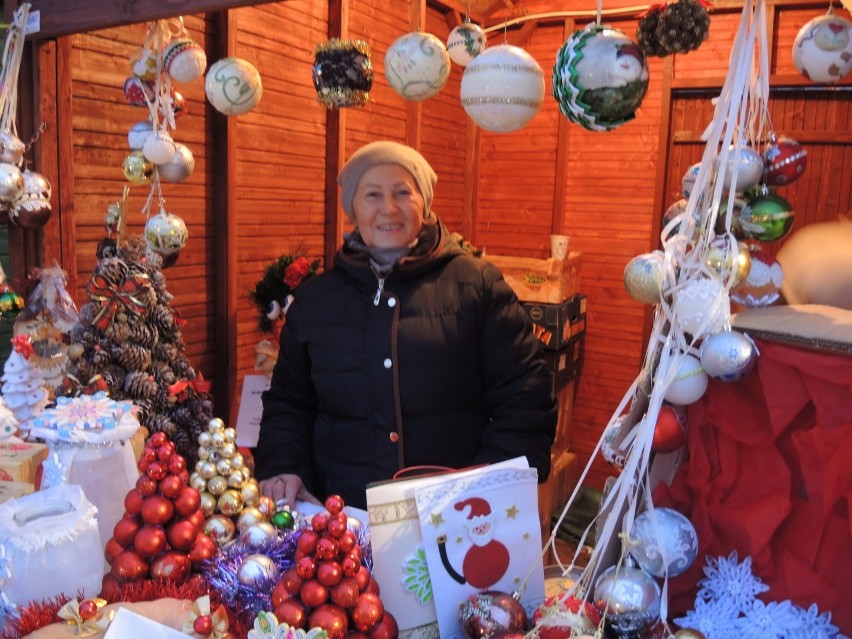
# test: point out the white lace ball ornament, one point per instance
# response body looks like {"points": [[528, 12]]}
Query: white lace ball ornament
{"points": [[822, 50], [465, 42], [689, 383], [138, 133], [159, 147], [702, 307], [166, 233], [417, 66], [233, 86], [749, 165], [502, 88], [643, 277], [727, 356], [763, 285], [180, 166], [663, 542], [184, 60], [32, 210]]}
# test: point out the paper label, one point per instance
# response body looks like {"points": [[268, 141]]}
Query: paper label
{"points": [[251, 410]]}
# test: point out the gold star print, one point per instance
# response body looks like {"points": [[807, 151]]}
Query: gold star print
{"points": [[436, 519], [458, 539], [511, 512], [517, 580], [526, 535]]}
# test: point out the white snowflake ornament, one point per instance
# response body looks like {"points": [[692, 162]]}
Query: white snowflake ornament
{"points": [[768, 621], [727, 579]]}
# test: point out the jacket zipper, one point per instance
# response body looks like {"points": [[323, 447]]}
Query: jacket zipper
{"points": [[379, 290]]}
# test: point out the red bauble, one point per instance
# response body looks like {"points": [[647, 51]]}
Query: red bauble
{"points": [[367, 612], [129, 566], [165, 452], [313, 594], [157, 510], [350, 566], [156, 440], [182, 534], [292, 612], [110, 588], [157, 470], [373, 587], [330, 618], [133, 502], [149, 454], [170, 486], [388, 628], [669, 435], [329, 573], [491, 611], [334, 504], [87, 609], [124, 531], [188, 501], [291, 581], [279, 594], [362, 578], [142, 465], [306, 567], [355, 553], [149, 541], [203, 549], [785, 161], [336, 528], [177, 464], [146, 486], [307, 541], [202, 625], [112, 550], [319, 522], [356, 634], [172, 565], [327, 548], [197, 518], [347, 541], [346, 593]]}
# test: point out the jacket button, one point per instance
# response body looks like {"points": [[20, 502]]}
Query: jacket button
{"points": [[394, 437], [392, 302], [388, 363]]}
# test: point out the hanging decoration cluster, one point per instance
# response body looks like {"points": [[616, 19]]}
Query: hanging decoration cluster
{"points": [[678, 27]]}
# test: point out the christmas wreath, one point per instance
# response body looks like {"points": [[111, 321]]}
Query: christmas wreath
{"points": [[273, 293]]}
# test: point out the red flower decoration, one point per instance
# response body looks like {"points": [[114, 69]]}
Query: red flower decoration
{"points": [[296, 272]]}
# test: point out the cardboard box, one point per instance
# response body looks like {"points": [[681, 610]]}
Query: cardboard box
{"points": [[555, 324], [565, 396], [12, 489], [535, 280], [553, 494], [566, 363], [20, 461]]}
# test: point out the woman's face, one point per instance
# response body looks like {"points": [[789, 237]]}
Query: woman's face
{"points": [[388, 207]]}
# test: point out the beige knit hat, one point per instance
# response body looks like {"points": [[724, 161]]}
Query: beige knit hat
{"points": [[386, 152]]}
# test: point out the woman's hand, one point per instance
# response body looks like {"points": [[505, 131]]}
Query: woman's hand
{"points": [[287, 489]]}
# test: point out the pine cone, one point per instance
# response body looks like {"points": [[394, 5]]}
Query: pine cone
{"points": [[162, 318], [163, 373], [158, 281], [183, 369], [117, 332], [182, 415], [683, 26], [140, 385], [114, 376], [112, 269], [646, 34], [141, 334], [159, 423], [132, 357], [164, 352], [100, 356], [164, 297], [89, 337]]}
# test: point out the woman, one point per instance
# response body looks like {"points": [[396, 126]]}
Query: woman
{"points": [[407, 352]]}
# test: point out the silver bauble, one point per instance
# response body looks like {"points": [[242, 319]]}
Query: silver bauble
{"points": [[629, 597], [258, 534], [166, 233], [727, 356], [11, 148], [11, 183], [258, 571], [32, 210], [749, 164], [216, 425], [180, 166], [662, 541], [643, 276]]}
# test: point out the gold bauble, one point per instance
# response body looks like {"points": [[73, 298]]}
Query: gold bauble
{"points": [[217, 440], [721, 261], [249, 516], [216, 425], [208, 504], [223, 467], [238, 461], [137, 169], [203, 453], [198, 482], [229, 450], [689, 633], [230, 502], [251, 493], [266, 505], [204, 439], [230, 435], [221, 528], [206, 469], [235, 480], [217, 485]]}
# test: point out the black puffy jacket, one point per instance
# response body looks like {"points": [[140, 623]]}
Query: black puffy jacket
{"points": [[437, 365]]}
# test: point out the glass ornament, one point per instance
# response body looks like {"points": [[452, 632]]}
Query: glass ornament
{"points": [[258, 534], [417, 66], [726, 263], [465, 42], [166, 233], [736, 212], [158, 147], [663, 542], [502, 88], [184, 60], [688, 180], [727, 356], [785, 161], [179, 167], [822, 50], [32, 210], [11, 304], [701, 306], [679, 208], [749, 167], [137, 169], [342, 73], [689, 383], [11, 148], [762, 286], [643, 277], [138, 133], [233, 86], [767, 217], [258, 571], [629, 599], [599, 78], [139, 92], [11, 183], [489, 612]]}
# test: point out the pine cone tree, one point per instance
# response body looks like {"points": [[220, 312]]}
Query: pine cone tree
{"points": [[683, 26], [646, 33], [140, 385], [112, 269], [132, 357]]}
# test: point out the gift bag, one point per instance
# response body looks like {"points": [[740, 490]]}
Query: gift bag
{"points": [[51, 545], [399, 557]]}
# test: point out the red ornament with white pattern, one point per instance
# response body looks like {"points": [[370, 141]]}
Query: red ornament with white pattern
{"points": [[785, 161]]}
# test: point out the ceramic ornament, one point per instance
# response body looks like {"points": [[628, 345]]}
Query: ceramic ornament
{"points": [[701, 307], [749, 167], [785, 161], [159, 147], [11, 148], [677, 209], [342, 73], [689, 384], [502, 88], [688, 181], [762, 286], [184, 60], [32, 210], [643, 277], [767, 217], [599, 78], [822, 50], [233, 86], [166, 233], [465, 42], [417, 66], [727, 356], [179, 167], [138, 133]]}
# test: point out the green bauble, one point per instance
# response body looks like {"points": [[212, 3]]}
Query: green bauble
{"points": [[283, 519], [11, 304], [767, 218]]}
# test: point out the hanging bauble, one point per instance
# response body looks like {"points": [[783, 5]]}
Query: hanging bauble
{"points": [[490, 611], [728, 263], [502, 88], [561, 617], [677, 209], [11, 304], [689, 383], [643, 276], [785, 161], [138, 133], [137, 169], [663, 542], [599, 78], [629, 599], [11, 148], [763, 285], [688, 181], [767, 217], [748, 164], [11, 183], [417, 66], [342, 73], [180, 166], [737, 207], [669, 431], [822, 50], [32, 210], [139, 92], [682, 26], [701, 306], [184, 60], [609, 451], [727, 356], [258, 571], [465, 42], [166, 233], [258, 534], [646, 32], [159, 147], [143, 64], [177, 102], [233, 86]]}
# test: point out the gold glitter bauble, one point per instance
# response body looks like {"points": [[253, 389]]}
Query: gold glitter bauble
{"points": [[137, 169], [223, 467], [198, 482], [266, 505], [249, 516], [722, 261], [235, 480], [251, 493], [230, 503], [208, 504], [204, 439], [230, 434], [206, 469], [216, 425], [220, 528], [228, 450], [217, 485]]}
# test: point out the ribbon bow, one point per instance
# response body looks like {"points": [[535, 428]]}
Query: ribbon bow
{"points": [[114, 298], [87, 616], [200, 386], [200, 620], [23, 345]]}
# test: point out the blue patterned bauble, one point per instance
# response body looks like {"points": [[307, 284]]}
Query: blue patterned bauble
{"points": [[599, 78], [727, 356], [662, 541]]}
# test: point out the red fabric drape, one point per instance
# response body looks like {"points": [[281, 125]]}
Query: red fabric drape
{"points": [[769, 475]]}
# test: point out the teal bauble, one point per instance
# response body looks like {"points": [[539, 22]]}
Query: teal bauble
{"points": [[767, 218]]}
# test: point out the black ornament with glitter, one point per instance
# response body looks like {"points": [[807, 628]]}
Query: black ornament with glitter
{"points": [[343, 73], [682, 26]]}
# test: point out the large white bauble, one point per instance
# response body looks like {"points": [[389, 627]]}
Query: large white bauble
{"points": [[662, 541], [465, 42], [158, 148], [184, 60], [417, 66], [689, 383], [233, 86], [179, 167], [643, 277], [702, 307], [749, 165], [822, 50], [502, 88], [138, 133]]}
